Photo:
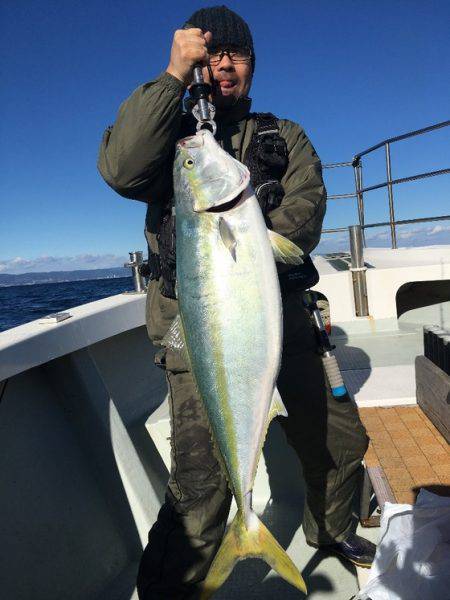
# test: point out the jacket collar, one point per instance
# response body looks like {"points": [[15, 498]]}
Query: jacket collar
{"points": [[237, 112]]}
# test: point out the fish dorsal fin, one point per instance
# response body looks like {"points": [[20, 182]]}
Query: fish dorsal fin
{"points": [[277, 407], [284, 250], [227, 235], [175, 339]]}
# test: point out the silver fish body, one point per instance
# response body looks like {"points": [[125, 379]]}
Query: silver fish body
{"points": [[231, 313]]}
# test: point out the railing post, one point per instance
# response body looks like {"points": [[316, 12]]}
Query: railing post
{"points": [[358, 270], [357, 170], [391, 196], [135, 263]]}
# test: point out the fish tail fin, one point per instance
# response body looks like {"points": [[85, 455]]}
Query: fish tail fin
{"points": [[244, 541]]}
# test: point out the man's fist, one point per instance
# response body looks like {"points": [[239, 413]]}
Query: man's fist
{"points": [[188, 49]]}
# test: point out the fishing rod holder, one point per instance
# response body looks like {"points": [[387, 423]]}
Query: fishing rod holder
{"points": [[135, 263]]}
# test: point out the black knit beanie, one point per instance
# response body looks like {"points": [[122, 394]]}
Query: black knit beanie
{"points": [[227, 28]]}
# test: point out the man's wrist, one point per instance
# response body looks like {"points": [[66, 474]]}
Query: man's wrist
{"points": [[173, 83], [174, 73]]}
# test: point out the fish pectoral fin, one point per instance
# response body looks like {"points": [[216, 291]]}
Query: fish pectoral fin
{"points": [[227, 235], [284, 250], [277, 408], [244, 541], [175, 339]]}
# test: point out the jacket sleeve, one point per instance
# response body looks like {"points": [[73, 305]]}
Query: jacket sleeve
{"points": [[135, 150], [300, 214]]}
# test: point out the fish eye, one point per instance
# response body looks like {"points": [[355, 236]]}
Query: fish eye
{"points": [[188, 163]]}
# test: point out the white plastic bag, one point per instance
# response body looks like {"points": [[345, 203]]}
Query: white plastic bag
{"points": [[413, 556]]}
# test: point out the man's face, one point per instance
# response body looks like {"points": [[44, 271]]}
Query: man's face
{"points": [[233, 80]]}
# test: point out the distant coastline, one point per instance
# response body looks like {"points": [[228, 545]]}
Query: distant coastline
{"points": [[9, 279]]}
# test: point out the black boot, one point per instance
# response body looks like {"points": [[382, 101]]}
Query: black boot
{"points": [[354, 548]]}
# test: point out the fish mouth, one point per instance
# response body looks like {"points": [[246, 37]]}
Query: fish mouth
{"points": [[192, 141], [227, 206], [229, 201]]}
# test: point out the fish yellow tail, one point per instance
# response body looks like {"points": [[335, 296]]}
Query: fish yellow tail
{"points": [[244, 541]]}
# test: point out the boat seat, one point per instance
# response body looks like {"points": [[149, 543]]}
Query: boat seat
{"points": [[406, 453]]}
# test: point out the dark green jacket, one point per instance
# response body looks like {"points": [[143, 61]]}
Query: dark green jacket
{"points": [[136, 156]]}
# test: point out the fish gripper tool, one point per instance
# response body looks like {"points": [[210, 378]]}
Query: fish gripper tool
{"points": [[204, 111]]}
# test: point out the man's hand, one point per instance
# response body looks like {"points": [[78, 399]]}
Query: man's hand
{"points": [[188, 49]]}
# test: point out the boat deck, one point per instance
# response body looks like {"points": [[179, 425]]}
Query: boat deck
{"points": [[409, 448], [279, 500], [83, 480]]}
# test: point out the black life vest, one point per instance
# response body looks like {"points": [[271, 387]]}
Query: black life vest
{"points": [[267, 159]]}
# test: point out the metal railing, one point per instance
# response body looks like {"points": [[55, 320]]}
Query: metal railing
{"points": [[360, 190]]}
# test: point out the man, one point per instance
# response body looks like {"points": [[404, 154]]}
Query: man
{"points": [[136, 158]]}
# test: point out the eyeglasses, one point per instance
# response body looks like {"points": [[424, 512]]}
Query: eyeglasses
{"points": [[242, 55]]}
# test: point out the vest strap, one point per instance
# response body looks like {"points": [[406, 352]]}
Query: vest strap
{"points": [[267, 158]]}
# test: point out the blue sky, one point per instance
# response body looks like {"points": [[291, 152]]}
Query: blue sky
{"points": [[352, 73]]}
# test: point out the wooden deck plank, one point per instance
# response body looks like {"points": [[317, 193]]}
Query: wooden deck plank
{"points": [[406, 453]]}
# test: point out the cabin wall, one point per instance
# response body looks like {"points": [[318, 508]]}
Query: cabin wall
{"points": [[424, 303]]}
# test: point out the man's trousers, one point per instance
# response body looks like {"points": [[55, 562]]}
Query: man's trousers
{"points": [[327, 436]]}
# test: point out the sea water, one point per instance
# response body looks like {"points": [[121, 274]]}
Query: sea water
{"points": [[23, 303]]}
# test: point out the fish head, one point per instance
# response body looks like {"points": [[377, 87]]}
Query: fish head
{"points": [[211, 176]]}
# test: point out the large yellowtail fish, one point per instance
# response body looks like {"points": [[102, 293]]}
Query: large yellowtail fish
{"points": [[230, 330]]}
